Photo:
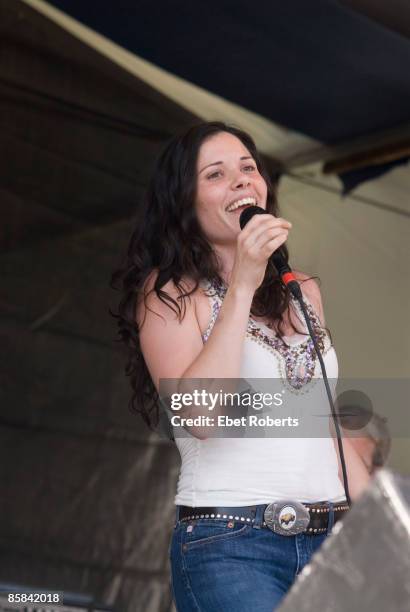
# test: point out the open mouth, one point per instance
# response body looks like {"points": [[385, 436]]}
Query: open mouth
{"points": [[240, 205], [237, 211]]}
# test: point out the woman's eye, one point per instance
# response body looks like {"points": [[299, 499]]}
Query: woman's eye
{"points": [[249, 168], [214, 174]]}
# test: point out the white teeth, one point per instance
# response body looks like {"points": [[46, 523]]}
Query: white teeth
{"points": [[239, 203]]}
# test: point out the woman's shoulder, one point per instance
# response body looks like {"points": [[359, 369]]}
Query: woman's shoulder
{"points": [[149, 299], [310, 289], [186, 284], [169, 336]]}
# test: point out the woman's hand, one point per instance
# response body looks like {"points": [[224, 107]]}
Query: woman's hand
{"points": [[260, 237]]}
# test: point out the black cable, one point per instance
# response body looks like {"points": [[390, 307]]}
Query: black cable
{"points": [[297, 293]]}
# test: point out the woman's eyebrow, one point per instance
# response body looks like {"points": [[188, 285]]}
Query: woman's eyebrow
{"points": [[221, 162]]}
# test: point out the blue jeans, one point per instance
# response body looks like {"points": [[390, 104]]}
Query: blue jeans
{"points": [[229, 566]]}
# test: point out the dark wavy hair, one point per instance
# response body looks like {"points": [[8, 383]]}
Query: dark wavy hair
{"points": [[168, 238]]}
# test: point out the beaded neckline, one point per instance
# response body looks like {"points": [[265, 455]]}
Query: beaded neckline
{"points": [[297, 362]]}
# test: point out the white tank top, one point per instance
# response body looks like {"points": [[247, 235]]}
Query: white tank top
{"points": [[248, 471]]}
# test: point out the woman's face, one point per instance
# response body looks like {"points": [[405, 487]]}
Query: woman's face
{"points": [[226, 175]]}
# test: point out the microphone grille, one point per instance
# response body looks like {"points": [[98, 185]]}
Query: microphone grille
{"points": [[248, 213]]}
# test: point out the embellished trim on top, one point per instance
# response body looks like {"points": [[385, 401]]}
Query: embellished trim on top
{"points": [[297, 362], [215, 307]]}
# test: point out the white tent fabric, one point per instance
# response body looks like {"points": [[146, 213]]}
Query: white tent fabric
{"points": [[361, 253]]}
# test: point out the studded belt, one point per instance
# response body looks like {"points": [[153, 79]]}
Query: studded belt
{"points": [[285, 517]]}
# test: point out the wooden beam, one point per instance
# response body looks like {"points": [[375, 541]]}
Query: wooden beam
{"points": [[372, 157], [393, 137]]}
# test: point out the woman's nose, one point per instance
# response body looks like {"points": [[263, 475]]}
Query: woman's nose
{"points": [[241, 182]]}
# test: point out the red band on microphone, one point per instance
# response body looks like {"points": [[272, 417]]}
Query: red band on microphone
{"points": [[287, 277]]}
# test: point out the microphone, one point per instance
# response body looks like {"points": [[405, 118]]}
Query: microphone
{"points": [[284, 271]]}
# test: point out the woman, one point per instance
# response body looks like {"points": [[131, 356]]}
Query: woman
{"points": [[202, 300]]}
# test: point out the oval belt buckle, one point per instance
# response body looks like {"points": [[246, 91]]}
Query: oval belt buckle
{"points": [[287, 517]]}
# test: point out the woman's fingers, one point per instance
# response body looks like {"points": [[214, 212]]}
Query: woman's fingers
{"points": [[266, 236], [274, 244], [263, 220], [266, 247], [265, 225]]}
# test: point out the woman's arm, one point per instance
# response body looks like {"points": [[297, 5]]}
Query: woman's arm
{"points": [[175, 350], [358, 477]]}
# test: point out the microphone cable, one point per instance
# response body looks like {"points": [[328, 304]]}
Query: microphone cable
{"points": [[289, 280]]}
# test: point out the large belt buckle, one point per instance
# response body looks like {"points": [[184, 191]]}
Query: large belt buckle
{"points": [[287, 517]]}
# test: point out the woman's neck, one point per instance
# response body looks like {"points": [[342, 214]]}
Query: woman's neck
{"points": [[226, 258]]}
